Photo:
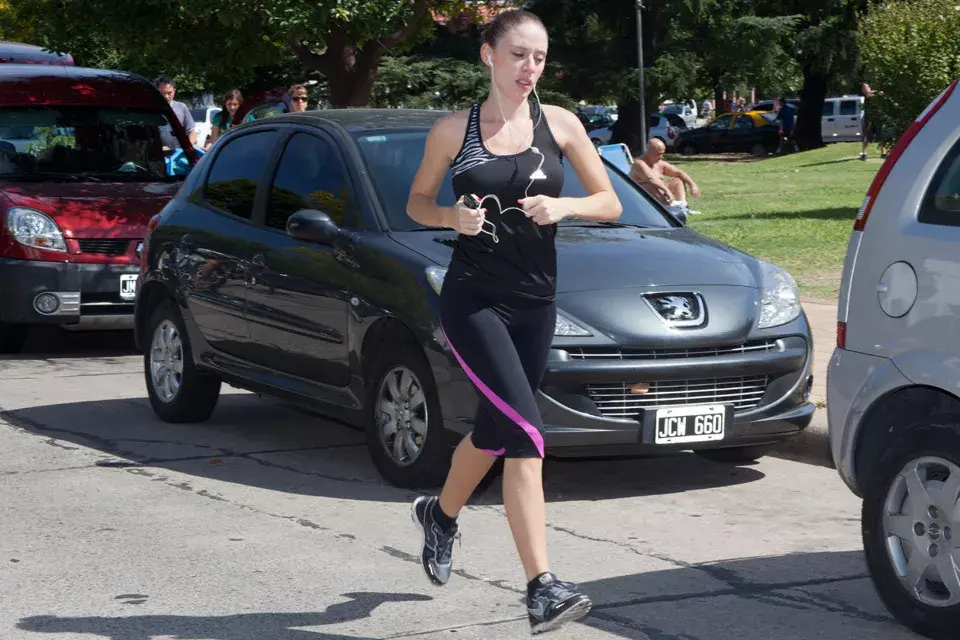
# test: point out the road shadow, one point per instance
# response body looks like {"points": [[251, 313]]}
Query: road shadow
{"points": [[830, 213], [789, 597], [796, 596], [263, 443], [54, 342], [245, 626]]}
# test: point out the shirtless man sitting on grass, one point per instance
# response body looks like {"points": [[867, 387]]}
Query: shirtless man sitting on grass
{"points": [[651, 172]]}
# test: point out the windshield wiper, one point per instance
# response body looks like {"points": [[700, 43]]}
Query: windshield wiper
{"points": [[604, 223]]}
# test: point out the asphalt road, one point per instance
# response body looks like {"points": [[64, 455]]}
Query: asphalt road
{"points": [[267, 523]]}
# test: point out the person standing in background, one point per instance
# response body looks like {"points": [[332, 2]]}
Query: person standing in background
{"points": [[224, 120], [168, 89]]}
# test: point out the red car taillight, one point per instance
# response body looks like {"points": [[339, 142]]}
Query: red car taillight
{"points": [[671, 132], [898, 150]]}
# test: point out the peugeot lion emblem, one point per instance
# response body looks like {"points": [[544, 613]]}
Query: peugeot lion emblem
{"points": [[678, 310]]}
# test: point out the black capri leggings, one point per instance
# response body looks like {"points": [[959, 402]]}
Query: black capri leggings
{"points": [[502, 346]]}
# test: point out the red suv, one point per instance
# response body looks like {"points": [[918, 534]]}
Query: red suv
{"points": [[86, 159]]}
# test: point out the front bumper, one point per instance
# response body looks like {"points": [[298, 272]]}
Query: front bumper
{"points": [[592, 406], [87, 295]]}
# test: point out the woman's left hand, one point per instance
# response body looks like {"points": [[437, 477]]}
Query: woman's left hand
{"points": [[544, 209]]}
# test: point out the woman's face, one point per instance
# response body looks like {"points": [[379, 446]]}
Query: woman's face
{"points": [[519, 59], [232, 105]]}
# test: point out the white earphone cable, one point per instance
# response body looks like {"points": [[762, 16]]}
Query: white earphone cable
{"points": [[533, 176]]}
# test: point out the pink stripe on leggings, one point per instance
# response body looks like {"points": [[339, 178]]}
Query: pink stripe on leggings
{"points": [[499, 403]]}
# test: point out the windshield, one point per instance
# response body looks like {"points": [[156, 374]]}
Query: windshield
{"points": [[50, 142], [393, 157]]}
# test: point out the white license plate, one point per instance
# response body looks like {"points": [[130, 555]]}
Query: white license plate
{"points": [[128, 286], [678, 425]]}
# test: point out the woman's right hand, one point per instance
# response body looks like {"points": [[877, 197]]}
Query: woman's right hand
{"points": [[468, 221]]}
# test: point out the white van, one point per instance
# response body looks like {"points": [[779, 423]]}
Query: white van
{"points": [[842, 119]]}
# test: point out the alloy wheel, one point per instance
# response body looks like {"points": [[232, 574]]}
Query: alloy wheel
{"points": [[402, 415], [919, 525], [166, 361]]}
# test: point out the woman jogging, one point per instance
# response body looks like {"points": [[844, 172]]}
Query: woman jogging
{"points": [[497, 302]]}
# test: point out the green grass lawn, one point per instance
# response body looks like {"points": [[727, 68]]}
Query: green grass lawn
{"points": [[796, 211]]}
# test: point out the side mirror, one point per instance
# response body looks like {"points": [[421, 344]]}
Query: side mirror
{"points": [[312, 225]]}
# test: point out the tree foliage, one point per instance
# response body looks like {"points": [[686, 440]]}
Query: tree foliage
{"points": [[246, 43], [910, 51]]}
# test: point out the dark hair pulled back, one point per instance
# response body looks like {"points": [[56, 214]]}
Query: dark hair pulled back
{"points": [[506, 21]]}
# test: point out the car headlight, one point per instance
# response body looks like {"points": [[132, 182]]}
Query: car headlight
{"points": [[34, 229], [435, 277], [563, 327], [566, 327], [780, 302]]}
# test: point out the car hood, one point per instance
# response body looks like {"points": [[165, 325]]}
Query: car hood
{"points": [[591, 258], [94, 209]]}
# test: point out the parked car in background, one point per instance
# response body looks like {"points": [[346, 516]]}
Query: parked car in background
{"points": [[657, 127], [893, 388], [20, 53], [203, 123], [287, 264], [841, 118], [756, 132], [82, 170], [685, 110]]}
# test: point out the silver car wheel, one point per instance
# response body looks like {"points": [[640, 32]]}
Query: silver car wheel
{"points": [[402, 415], [919, 523], [166, 361]]}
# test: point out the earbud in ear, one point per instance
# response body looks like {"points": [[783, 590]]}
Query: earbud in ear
{"points": [[490, 59]]}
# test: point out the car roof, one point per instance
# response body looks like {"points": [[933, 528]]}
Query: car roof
{"points": [[35, 85], [18, 52], [358, 120]]}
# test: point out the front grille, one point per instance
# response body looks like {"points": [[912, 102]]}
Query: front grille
{"points": [[614, 353], [615, 400], [104, 246]]}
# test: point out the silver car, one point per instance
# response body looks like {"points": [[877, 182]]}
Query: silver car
{"points": [[893, 386]]}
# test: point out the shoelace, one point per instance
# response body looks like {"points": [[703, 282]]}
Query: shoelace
{"points": [[445, 543]]}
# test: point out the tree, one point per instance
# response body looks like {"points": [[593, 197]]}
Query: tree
{"points": [[249, 42], [909, 51], [825, 48]]}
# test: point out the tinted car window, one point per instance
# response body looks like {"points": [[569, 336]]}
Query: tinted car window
{"points": [[849, 107], [392, 159], [941, 203], [723, 122], [82, 141], [743, 122], [309, 176], [232, 181]]}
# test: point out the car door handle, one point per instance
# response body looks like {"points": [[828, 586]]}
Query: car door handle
{"points": [[259, 261]]}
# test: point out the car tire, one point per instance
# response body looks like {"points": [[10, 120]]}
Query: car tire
{"points": [[395, 378], [736, 455], [758, 150], [938, 442], [689, 149], [13, 337], [189, 395]]}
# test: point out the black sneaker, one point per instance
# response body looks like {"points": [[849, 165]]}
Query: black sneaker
{"points": [[555, 602], [436, 548]]}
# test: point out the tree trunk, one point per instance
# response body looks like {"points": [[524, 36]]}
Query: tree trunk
{"points": [[351, 72], [808, 132], [627, 127]]}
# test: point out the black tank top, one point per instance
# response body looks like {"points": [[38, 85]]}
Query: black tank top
{"points": [[523, 260]]}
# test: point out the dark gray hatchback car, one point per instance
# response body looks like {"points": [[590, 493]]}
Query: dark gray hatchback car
{"points": [[287, 265]]}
